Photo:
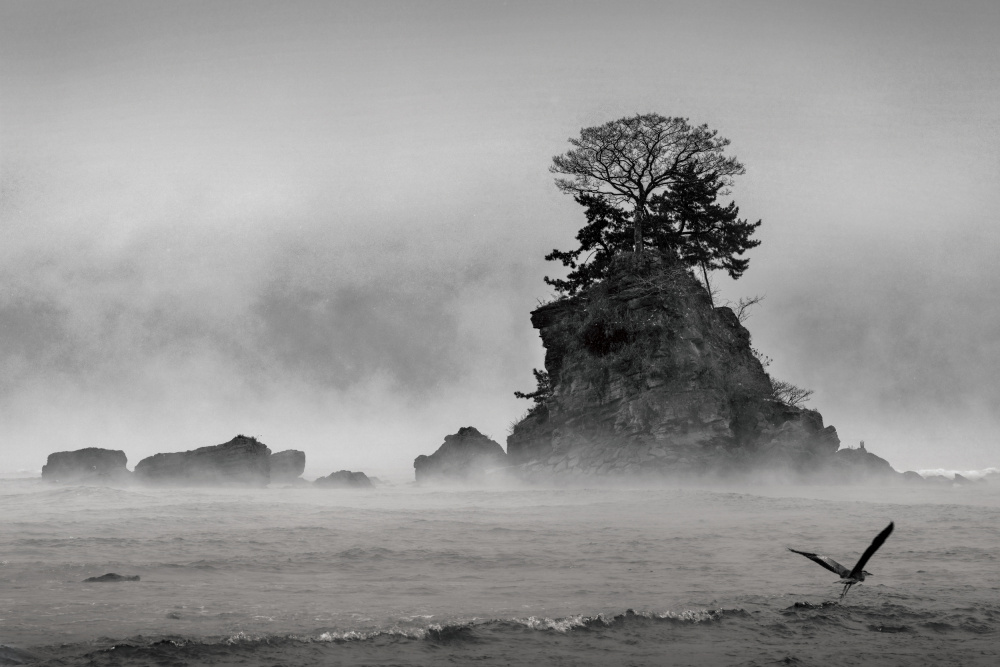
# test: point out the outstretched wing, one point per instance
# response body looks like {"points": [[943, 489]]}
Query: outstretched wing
{"points": [[826, 562], [872, 548]]}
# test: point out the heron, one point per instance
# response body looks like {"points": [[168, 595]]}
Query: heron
{"points": [[856, 575]]}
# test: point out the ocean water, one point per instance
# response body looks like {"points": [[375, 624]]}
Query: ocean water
{"points": [[403, 575]]}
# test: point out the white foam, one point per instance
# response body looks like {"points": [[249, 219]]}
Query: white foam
{"points": [[558, 624], [968, 474], [357, 635]]}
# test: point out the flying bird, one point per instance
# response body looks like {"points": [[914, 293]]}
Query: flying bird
{"points": [[858, 574]]}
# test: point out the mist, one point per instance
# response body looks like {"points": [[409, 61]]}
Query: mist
{"points": [[325, 226]]}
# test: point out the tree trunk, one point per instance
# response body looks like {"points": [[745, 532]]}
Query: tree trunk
{"points": [[708, 286], [640, 213]]}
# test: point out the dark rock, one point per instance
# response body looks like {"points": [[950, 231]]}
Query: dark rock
{"points": [[90, 465], [288, 465], [465, 456], [242, 461], [111, 576], [859, 464], [345, 479], [649, 378]]}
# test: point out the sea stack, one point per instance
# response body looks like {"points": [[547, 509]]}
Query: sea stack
{"points": [[463, 457], [287, 466], [91, 465], [648, 377]]}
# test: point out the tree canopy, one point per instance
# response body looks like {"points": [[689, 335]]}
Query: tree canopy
{"points": [[651, 182], [628, 161]]}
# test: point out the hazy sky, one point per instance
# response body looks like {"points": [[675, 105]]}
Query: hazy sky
{"points": [[323, 223]]}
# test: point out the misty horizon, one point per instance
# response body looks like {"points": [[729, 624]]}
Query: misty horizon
{"points": [[325, 227]]}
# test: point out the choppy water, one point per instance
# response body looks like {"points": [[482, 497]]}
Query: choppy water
{"points": [[408, 576]]}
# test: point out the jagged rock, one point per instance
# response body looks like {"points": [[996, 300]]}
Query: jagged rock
{"points": [[287, 466], [242, 461], [111, 576], [91, 465], [961, 479], [649, 378], [345, 479], [465, 456]]}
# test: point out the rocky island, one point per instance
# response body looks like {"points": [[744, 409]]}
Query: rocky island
{"points": [[465, 456], [647, 378], [243, 461]]}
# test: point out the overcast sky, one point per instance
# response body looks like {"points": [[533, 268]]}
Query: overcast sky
{"points": [[323, 223]]}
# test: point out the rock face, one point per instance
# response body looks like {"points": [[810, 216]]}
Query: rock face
{"points": [[649, 378], [287, 466], [242, 461], [90, 465], [345, 479], [465, 456]]}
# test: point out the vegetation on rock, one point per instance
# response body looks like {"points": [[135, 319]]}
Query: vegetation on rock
{"points": [[653, 182]]}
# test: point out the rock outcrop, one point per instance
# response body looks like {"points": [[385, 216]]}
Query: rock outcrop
{"points": [[648, 378], [345, 479], [242, 461], [91, 465], [861, 465], [287, 466], [465, 456], [111, 576]]}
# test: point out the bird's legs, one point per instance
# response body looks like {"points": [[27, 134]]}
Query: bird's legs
{"points": [[847, 587]]}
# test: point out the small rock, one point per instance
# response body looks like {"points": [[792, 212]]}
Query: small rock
{"points": [[111, 576], [345, 479]]}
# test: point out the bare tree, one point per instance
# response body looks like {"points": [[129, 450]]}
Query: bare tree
{"points": [[743, 306], [629, 160], [789, 394]]}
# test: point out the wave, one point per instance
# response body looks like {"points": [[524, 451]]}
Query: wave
{"points": [[634, 637], [968, 474], [564, 625]]}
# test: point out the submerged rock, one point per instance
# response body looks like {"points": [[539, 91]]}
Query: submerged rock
{"points": [[92, 465], [287, 466], [465, 456], [111, 576], [345, 479], [242, 461], [647, 377]]}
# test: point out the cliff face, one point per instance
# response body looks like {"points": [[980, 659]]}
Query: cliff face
{"points": [[648, 377]]}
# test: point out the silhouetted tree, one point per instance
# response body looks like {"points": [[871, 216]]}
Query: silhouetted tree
{"points": [[789, 394], [627, 162], [685, 220], [705, 234], [543, 388]]}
